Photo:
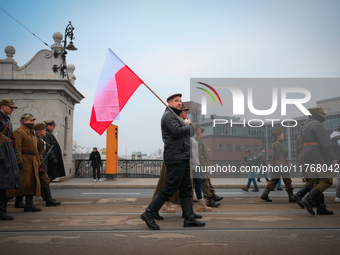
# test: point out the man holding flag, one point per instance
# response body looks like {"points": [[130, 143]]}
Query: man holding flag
{"points": [[176, 138], [116, 85]]}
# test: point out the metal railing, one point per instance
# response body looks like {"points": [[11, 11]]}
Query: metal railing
{"points": [[126, 168], [152, 169]]}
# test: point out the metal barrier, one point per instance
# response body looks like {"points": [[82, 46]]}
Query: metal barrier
{"points": [[152, 168], [126, 168]]}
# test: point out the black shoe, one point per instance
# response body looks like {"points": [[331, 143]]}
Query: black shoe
{"points": [[267, 179], [52, 202], [195, 201], [188, 223], [313, 195], [151, 212], [297, 199], [258, 180], [158, 217], [280, 189], [32, 209], [216, 198], [4, 216], [321, 207], [291, 200], [266, 198], [323, 211], [19, 203], [149, 220], [189, 215]]}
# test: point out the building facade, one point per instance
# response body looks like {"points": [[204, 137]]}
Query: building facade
{"points": [[38, 89]]}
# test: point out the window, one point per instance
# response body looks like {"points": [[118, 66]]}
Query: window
{"points": [[238, 147], [219, 147], [229, 147], [246, 147], [256, 148]]}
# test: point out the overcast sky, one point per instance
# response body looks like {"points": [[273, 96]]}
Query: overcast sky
{"points": [[168, 42]]}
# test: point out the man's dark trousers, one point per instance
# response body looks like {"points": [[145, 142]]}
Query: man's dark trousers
{"points": [[96, 168], [178, 178]]}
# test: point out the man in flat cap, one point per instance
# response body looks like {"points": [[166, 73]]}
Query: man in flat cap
{"points": [[28, 161], [317, 154], [9, 170], [176, 138], [55, 166], [43, 148], [278, 155]]}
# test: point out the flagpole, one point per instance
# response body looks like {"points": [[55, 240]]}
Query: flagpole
{"points": [[164, 103]]}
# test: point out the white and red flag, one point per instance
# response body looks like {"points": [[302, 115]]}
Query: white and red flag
{"points": [[116, 85]]}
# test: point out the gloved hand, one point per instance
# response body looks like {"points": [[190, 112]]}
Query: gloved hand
{"points": [[21, 166]]}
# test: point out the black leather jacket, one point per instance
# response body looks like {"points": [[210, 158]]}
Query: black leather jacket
{"points": [[176, 136]]}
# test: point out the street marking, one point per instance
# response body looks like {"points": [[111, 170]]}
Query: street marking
{"points": [[95, 221], [231, 193], [117, 200], [110, 193]]}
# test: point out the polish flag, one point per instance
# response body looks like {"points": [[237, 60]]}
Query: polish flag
{"points": [[116, 85]]}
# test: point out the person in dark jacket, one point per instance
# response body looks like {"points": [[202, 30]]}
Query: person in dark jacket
{"points": [[43, 149], [9, 170], [55, 165], [176, 138], [318, 153], [96, 163]]}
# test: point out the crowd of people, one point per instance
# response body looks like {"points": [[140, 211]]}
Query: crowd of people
{"points": [[184, 149], [30, 158]]}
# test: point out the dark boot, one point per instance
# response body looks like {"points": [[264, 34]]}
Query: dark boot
{"points": [[300, 194], [151, 212], [29, 207], [212, 203], [265, 195], [158, 217], [216, 198], [266, 198], [312, 196], [49, 200], [290, 197], [18, 202], [188, 213], [258, 180], [3, 206], [321, 207]]}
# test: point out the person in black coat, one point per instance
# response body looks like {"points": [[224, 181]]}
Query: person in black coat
{"points": [[55, 163], [96, 163], [9, 169], [176, 138]]}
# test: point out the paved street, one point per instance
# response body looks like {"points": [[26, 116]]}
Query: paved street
{"points": [[106, 221]]}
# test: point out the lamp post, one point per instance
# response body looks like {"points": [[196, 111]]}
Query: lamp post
{"points": [[68, 33]]}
